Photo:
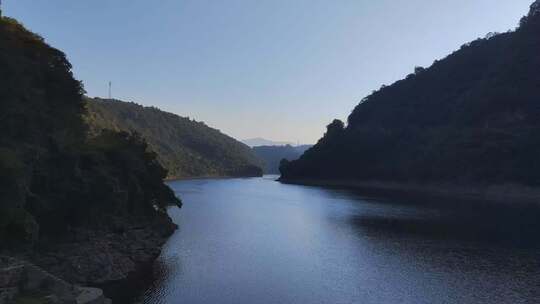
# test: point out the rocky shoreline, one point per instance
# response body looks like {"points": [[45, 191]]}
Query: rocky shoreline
{"points": [[97, 257], [23, 282]]}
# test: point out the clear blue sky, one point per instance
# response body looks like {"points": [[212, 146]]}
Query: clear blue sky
{"points": [[279, 69]]}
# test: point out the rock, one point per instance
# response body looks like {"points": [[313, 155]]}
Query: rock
{"points": [[37, 279], [91, 296], [32, 280], [51, 299], [87, 257], [93, 257], [8, 294]]}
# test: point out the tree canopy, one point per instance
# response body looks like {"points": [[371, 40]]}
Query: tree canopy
{"points": [[470, 117], [185, 147], [52, 175]]}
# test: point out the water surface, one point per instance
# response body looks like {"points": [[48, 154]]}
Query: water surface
{"points": [[247, 241]]}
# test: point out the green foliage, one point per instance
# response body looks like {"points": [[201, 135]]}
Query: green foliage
{"points": [[185, 147], [52, 175], [471, 117], [38, 95]]}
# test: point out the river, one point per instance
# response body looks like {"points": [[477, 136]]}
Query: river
{"points": [[257, 241]]}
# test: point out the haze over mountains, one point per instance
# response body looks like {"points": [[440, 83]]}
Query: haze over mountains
{"points": [[256, 142], [273, 155], [272, 152], [472, 117]]}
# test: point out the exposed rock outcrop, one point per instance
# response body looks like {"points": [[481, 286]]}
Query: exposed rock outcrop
{"points": [[84, 257], [94, 257], [22, 281]]}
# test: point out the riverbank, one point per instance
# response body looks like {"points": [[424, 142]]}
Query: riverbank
{"points": [[96, 257], [23, 282], [185, 178], [99, 257], [504, 193]]}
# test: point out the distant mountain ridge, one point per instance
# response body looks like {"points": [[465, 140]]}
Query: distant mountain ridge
{"points": [[257, 142], [186, 148], [471, 118], [272, 155]]}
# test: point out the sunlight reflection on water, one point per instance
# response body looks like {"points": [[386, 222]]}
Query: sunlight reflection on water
{"points": [[259, 241]]}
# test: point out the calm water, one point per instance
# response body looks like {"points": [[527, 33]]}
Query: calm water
{"points": [[256, 241]]}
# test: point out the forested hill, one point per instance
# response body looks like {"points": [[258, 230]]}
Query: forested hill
{"points": [[272, 155], [54, 179], [472, 117], [186, 148]]}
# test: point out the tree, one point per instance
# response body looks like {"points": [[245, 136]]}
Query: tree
{"points": [[335, 128]]}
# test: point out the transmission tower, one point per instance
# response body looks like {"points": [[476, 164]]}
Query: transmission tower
{"points": [[110, 86]]}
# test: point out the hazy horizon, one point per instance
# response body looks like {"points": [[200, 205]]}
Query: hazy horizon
{"points": [[280, 70]]}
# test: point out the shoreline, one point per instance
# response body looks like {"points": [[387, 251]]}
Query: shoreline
{"points": [[103, 258], [500, 193], [172, 179]]}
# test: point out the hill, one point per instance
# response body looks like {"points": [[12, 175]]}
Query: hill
{"points": [[272, 155], [63, 191], [186, 148], [257, 142], [471, 118]]}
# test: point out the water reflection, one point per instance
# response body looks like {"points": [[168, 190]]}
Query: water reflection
{"points": [[259, 241], [481, 224]]}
